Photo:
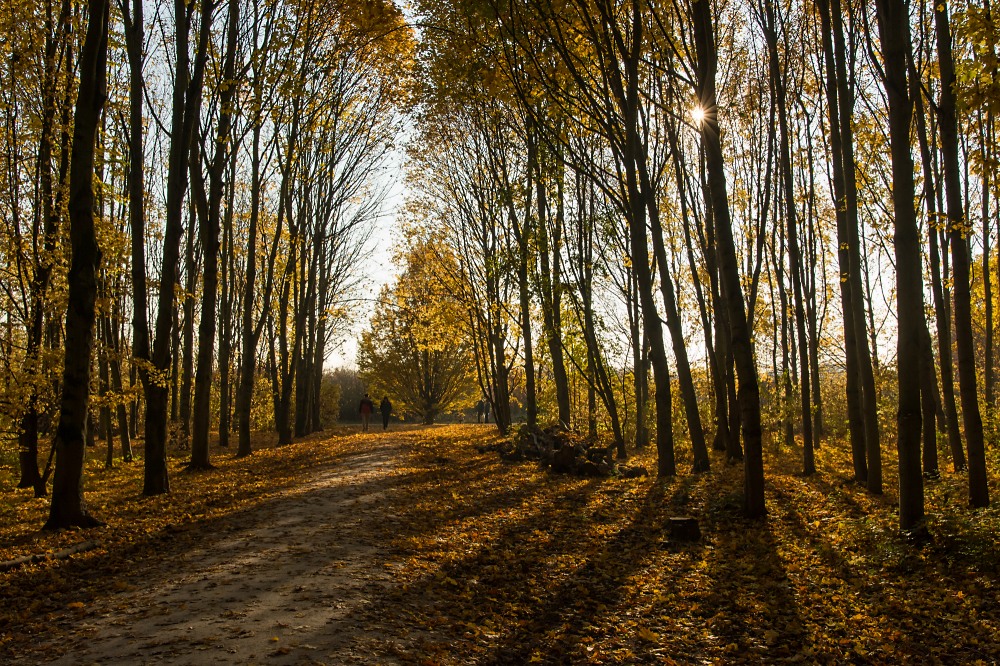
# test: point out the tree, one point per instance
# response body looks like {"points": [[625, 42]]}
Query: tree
{"points": [[68, 508], [959, 231], [417, 349], [749, 393], [894, 31]]}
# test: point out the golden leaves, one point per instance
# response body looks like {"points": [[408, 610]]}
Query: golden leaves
{"points": [[515, 565]]}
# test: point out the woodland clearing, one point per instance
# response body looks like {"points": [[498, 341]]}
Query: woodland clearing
{"points": [[412, 547]]}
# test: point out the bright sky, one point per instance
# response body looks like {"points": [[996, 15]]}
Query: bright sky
{"points": [[379, 268]]}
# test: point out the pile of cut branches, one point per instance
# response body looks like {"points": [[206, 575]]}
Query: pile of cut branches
{"points": [[564, 451]]}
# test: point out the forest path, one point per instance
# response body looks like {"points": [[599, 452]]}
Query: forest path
{"points": [[283, 583]]}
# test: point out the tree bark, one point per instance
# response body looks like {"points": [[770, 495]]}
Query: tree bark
{"points": [[894, 31], [68, 508], [855, 416], [749, 393], [959, 231]]}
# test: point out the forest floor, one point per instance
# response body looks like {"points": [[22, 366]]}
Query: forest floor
{"points": [[412, 547]]}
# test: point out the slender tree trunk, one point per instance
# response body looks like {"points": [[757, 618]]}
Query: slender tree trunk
{"points": [[104, 384], [550, 287], [959, 231], [210, 242], [937, 290], [866, 371], [251, 336], [640, 376], [667, 291], [117, 386], [894, 30], [855, 416], [186, 351], [928, 390], [988, 381], [794, 250], [639, 248], [68, 508], [749, 393], [186, 109]]}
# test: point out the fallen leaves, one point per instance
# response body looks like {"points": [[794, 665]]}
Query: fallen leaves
{"points": [[514, 565]]}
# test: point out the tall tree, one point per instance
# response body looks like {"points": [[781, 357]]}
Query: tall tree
{"points": [[68, 508], [894, 32], [959, 231], [703, 27], [210, 225]]}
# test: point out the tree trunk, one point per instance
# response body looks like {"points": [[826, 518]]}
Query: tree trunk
{"points": [[186, 351], [959, 231], [928, 391], [866, 371], [251, 333], [855, 415], [794, 251], [894, 30], [116, 385], [937, 292], [187, 97], [988, 381], [749, 393], [551, 290], [689, 397], [68, 508], [210, 242]]}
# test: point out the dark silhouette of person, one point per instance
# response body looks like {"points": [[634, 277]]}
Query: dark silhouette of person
{"points": [[365, 408], [480, 410], [486, 411], [386, 408]]}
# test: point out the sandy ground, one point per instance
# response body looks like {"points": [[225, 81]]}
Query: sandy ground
{"points": [[285, 583]]}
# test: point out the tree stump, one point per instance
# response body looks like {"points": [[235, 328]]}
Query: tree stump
{"points": [[683, 528]]}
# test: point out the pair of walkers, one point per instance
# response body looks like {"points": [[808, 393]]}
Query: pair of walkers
{"points": [[367, 408]]}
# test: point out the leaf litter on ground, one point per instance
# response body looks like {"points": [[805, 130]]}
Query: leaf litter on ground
{"points": [[500, 562]]}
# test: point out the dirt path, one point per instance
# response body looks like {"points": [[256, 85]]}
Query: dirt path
{"points": [[284, 583]]}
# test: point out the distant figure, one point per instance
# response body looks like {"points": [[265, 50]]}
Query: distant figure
{"points": [[386, 408], [486, 411], [365, 409], [480, 410]]}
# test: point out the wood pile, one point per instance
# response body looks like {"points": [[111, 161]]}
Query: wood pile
{"points": [[564, 452]]}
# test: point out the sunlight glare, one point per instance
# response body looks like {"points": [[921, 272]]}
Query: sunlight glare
{"points": [[698, 115]]}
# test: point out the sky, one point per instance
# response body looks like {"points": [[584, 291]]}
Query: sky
{"points": [[379, 268]]}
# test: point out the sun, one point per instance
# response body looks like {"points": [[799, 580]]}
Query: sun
{"points": [[697, 115]]}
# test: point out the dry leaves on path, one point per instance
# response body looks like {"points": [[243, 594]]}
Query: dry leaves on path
{"points": [[416, 548]]}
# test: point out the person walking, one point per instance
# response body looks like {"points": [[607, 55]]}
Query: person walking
{"points": [[365, 408], [386, 408], [480, 408]]}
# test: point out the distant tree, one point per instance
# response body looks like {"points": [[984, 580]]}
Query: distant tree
{"points": [[330, 400], [349, 388], [418, 350]]}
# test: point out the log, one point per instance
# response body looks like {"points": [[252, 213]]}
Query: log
{"points": [[63, 554]]}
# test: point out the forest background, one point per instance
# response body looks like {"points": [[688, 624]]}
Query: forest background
{"points": [[691, 224]]}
